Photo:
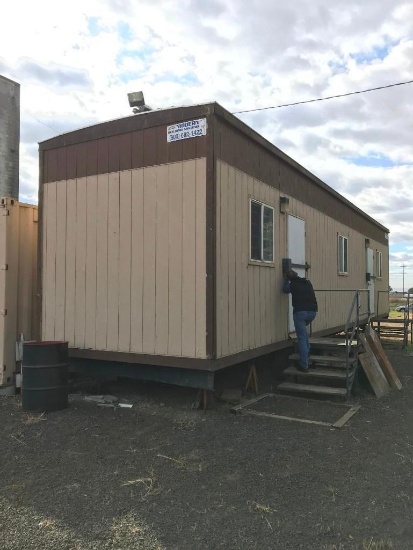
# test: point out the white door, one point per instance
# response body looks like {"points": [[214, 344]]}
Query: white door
{"points": [[370, 277], [296, 252]]}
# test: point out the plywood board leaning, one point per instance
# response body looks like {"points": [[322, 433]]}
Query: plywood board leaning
{"points": [[375, 344], [373, 371]]}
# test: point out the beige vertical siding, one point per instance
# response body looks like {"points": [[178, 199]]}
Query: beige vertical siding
{"points": [[18, 281], [251, 309], [70, 260], [102, 211], [134, 247], [91, 261]]}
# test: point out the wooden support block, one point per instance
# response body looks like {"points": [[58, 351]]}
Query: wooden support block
{"points": [[373, 370], [252, 380], [204, 399], [382, 358]]}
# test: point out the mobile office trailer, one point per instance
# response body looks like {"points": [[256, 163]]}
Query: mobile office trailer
{"points": [[162, 237]]}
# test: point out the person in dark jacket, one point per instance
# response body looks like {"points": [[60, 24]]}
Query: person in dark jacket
{"points": [[304, 311]]}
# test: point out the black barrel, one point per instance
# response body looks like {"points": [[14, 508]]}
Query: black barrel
{"points": [[45, 376]]}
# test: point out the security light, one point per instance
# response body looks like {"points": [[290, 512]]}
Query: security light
{"points": [[137, 102]]}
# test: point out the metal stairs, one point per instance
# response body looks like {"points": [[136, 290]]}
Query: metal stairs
{"points": [[334, 363]]}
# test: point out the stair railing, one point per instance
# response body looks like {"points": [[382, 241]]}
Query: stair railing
{"points": [[353, 323]]}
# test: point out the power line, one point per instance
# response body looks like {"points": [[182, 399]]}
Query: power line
{"points": [[323, 98], [41, 122]]}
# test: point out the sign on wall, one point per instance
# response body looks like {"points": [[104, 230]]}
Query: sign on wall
{"points": [[188, 129]]}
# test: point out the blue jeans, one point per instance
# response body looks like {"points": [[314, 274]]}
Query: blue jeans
{"points": [[301, 320]]}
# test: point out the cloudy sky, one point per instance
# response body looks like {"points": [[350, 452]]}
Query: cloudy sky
{"points": [[76, 61]]}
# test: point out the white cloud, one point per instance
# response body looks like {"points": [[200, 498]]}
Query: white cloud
{"points": [[76, 62]]}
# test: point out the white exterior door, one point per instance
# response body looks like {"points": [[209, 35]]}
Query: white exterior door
{"points": [[370, 278], [296, 252]]}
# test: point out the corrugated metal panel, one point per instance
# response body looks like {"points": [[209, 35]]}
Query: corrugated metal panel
{"points": [[135, 263], [18, 280]]}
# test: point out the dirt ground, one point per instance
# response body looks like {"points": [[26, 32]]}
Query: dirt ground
{"points": [[161, 475]]}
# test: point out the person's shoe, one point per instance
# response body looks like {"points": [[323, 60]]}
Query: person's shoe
{"points": [[312, 366], [301, 369]]}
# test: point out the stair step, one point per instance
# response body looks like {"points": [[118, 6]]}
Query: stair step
{"points": [[317, 373], [326, 359], [304, 388], [330, 342]]}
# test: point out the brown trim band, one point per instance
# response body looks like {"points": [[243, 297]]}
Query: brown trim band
{"points": [[111, 146], [211, 365]]}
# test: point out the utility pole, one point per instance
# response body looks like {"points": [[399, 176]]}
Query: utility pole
{"points": [[403, 267]]}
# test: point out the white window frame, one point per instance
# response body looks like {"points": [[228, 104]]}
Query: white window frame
{"points": [[379, 264], [261, 260], [342, 254]]}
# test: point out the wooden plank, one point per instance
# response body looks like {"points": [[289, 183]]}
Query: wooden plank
{"points": [[250, 402], [162, 261], [113, 263], [240, 267], [382, 358], [50, 287], [231, 225], [291, 418], [290, 386], [223, 304], [245, 231], [149, 260], [137, 261], [317, 373], [125, 236], [346, 417], [80, 293], [91, 255], [70, 295], [257, 287], [326, 359], [175, 260], [200, 263], [60, 261], [102, 261], [188, 260], [374, 373]]}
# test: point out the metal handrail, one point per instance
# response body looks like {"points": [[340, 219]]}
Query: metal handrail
{"points": [[355, 325]]}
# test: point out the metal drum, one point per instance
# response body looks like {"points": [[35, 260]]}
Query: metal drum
{"points": [[45, 376]]}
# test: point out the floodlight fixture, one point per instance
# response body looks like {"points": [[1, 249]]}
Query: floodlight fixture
{"points": [[137, 102]]}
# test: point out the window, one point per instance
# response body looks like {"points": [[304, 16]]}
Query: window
{"points": [[379, 264], [262, 232], [342, 255]]}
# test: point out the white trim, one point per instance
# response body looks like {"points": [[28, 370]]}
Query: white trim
{"points": [[261, 261], [342, 260]]}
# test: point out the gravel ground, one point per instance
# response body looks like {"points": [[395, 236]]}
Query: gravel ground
{"points": [[163, 476]]}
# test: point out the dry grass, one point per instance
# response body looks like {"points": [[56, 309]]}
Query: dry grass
{"points": [[381, 544], [46, 523], [191, 462], [150, 484], [32, 418], [332, 491], [264, 511]]}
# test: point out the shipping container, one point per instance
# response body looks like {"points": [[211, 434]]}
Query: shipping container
{"points": [[162, 237], [18, 282]]}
